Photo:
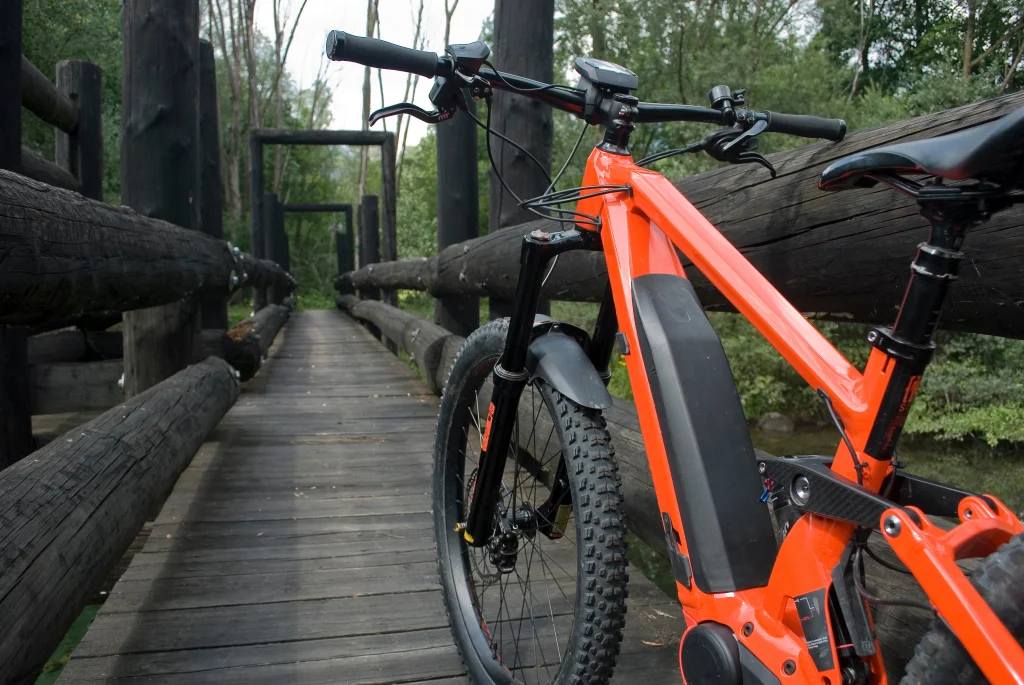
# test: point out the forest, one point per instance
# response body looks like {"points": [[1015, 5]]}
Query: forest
{"points": [[867, 61]]}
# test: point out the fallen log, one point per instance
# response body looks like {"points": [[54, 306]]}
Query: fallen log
{"points": [[65, 255], [843, 256], [245, 345], [69, 511], [75, 386], [898, 629]]}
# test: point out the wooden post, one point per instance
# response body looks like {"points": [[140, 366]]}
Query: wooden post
{"points": [[81, 152], [275, 241], [458, 211], [15, 416], [259, 295], [523, 45], [369, 246], [344, 241], [213, 310], [369, 241], [389, 218], [160, 168]]}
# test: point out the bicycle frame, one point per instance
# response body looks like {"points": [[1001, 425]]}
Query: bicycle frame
{"points": [[639, 233]]}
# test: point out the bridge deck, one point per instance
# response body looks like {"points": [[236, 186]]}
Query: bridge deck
{"points": [[297, 547]]}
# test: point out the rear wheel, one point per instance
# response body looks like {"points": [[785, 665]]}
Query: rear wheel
{"points": [[940, 659], [530, 607]]}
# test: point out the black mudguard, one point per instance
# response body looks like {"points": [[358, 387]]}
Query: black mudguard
{"points": [[558, 358]]}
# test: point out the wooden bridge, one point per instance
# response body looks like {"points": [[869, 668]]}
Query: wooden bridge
{"points": [[298, 545]]}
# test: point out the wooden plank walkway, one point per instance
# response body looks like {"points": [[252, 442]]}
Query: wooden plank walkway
{"points": [[297, 547]]}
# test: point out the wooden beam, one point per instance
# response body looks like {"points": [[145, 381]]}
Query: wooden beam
{"points": [[75, 386], [81, 151], [369, 241], [43, 99], [841, 256], [160, 169], [38, 168], [76, 505]]}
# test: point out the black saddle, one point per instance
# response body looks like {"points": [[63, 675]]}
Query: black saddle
{"points": [[990, 152]]}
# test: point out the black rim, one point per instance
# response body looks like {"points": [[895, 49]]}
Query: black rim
{"points": [[519, 608]]}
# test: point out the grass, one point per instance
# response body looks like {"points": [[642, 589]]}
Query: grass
{"points": [[59, 659], [243, 310]]}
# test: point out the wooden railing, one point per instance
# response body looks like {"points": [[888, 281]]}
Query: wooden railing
{"points": [[843, 256], [71, 266]]}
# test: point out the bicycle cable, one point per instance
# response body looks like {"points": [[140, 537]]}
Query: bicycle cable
{"points": [[858, 465], [858, 564]]}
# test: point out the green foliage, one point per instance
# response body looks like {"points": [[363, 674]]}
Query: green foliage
{"points": [[55, 30]]}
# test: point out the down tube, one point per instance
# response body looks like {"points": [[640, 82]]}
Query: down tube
{"points": [[813, 357]]}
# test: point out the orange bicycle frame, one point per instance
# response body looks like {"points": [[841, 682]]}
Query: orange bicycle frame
{"points": [[640, 231]]}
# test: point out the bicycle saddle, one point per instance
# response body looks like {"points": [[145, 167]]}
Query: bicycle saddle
{"points": [[992, 151]]}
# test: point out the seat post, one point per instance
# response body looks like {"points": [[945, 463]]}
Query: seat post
{"points": [[908, 344]]}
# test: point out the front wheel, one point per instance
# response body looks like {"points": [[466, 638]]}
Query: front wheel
{"points": [[544, 600]]}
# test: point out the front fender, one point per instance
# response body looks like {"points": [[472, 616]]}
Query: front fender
{"points": [[559, 360]]}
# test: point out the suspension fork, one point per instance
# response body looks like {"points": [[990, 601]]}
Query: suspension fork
{"points": [[510, 375]]}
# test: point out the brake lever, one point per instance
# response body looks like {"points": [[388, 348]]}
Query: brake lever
{"points": [[756, 158], [431, 117], [757, 129]]}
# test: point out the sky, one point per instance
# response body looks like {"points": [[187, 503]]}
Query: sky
{"points": [[398, 25]]}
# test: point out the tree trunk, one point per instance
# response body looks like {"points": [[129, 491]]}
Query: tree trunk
{"points": [[523, 45], [364, 159], [969, 41], [213, 308]]}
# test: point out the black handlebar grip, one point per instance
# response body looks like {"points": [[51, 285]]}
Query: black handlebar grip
{"points": [[343, 47], [806, 126]]}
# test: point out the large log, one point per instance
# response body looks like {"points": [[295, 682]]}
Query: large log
{"points": [[844, 256], [42, 98], [65, 255], [898, 629], [68, 513], [75, 386]]}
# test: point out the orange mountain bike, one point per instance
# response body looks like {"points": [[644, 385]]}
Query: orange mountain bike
{"points": [[527, 502]]}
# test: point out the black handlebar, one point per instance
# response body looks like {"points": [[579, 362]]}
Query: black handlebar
{"points": [[806, 126], [371, 52], [344, 47]]}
